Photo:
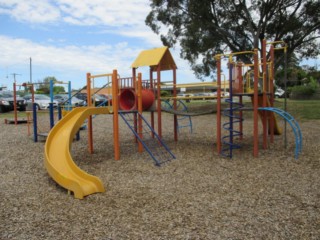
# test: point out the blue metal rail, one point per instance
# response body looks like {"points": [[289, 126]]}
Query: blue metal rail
{"points": [[150, 140], [294, 125]]}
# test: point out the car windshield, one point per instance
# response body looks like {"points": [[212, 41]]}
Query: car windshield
{"points": [[6, 95], [98, 97]]}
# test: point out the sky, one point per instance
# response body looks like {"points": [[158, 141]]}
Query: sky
{"points": [[67, 38]]}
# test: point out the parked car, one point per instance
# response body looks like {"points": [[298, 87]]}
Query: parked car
{"points": [[42, 101], [63, 99], [280, 93], [96, 98], [201, 96], [7, 102], [223, 94], [107, 98], [82, 96]]}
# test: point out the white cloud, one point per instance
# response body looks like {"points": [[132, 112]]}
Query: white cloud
{"points": [[74, 59], [104, 12], [84, 12], [30, 11], [122, 17]]}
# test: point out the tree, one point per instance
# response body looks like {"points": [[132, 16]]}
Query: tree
{"points": [[207, 27], [44, 86]]}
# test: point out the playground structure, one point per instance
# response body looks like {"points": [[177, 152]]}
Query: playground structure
{"points": [[52, 113], [262, 97], [132, 95]]}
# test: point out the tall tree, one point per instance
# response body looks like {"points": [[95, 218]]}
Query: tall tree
{"points": [[207, 27]]}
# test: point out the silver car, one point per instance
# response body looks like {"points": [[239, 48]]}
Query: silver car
{"points": [[42, 101], [63, 99]]}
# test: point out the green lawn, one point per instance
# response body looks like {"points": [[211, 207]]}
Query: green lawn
{"points": [[302, 109], [10, 115]]}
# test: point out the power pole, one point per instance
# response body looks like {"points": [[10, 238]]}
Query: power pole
{"points": [[14, 76]]}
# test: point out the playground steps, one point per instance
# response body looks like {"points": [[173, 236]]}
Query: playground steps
{"points": [[150, 140], [294, 125]]}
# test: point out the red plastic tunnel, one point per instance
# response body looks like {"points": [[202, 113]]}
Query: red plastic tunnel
{"points": [[128, 100]]}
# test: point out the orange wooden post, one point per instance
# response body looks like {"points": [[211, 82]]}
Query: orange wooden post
{"points": [[159, 101], [219, 104], [28, 122], [90, 134], [134, 83], [255, 105], [152, 88], [140, 147], [115, 106], [264, 95]]}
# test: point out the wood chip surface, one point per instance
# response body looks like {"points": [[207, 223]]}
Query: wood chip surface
{"points": [[199, 195]]}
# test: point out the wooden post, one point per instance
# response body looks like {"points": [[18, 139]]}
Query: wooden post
{"points": [[152, 88], [89, 103], [159, 100], [115, 106], [264, 95], [140, 147]]}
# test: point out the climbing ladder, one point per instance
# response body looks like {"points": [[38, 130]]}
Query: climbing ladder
{"points": [[294, 125], [150, 140]]}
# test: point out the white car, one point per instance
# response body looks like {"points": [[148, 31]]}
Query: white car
{"points": [[279, 93], [42, 101]]}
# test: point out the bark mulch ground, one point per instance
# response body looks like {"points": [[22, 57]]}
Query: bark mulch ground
{"points": [[199, 195]]}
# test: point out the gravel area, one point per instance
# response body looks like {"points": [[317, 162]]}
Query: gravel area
{"points": [[199, 195]]}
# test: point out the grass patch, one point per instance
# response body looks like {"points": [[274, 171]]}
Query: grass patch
{"points": [[300, 109], [10, 115]]}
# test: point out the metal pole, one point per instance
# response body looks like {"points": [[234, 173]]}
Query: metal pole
{"points": [[15, 103], [230, 108], [51, 105], [35, 127], [30, 70], [285, 96]]}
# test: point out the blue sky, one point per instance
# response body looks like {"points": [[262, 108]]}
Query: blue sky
{"points": [[68, 38]]}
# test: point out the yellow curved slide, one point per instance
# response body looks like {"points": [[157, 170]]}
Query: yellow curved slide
{"points": [[58, 160]]}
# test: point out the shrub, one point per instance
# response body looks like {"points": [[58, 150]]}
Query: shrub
{"points": [[309, 89], [164, 93]]}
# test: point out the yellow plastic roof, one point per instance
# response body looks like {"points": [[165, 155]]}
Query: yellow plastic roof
{"points": [[154, 57]]}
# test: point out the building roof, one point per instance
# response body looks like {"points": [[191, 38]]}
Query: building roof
{"points": [[154, 57]]}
